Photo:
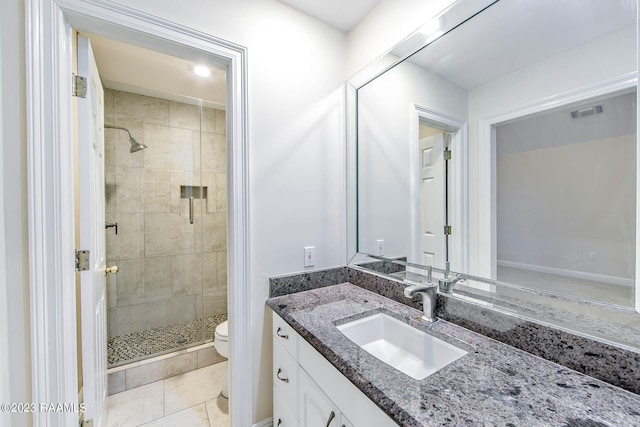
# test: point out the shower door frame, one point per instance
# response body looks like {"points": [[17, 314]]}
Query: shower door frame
{"points": [[51, 197]]}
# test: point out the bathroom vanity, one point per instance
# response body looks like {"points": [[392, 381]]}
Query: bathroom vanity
{"points": [[322, 377]]}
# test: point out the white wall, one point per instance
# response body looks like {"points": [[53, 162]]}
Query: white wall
{"points": [[296, 73], [14, 298], [588, 64], [384, 151], [296, 76]]}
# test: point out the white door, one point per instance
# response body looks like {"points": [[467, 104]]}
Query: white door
{"points": [[432, 203], [92, 237]]}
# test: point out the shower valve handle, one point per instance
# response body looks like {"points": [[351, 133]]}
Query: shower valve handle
{"points": [[111, 224]]}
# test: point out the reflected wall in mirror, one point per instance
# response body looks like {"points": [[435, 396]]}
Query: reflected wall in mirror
{"points": [[565, 200], [531, 195]]}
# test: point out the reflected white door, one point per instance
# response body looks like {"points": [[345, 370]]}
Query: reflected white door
{"points": [[92, 237], [432, 203]]}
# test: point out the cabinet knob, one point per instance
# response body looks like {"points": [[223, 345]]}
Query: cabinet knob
{"points": [[283, 379], [286, 337], [332, 415]]}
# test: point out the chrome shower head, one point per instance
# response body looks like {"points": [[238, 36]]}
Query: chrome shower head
{"points": [[135, 145]]}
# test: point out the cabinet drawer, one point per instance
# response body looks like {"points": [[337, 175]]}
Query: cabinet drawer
{"points": [[285, 335], [285, 377], [282, 415]]}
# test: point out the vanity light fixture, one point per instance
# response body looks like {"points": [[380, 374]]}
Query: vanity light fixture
{"points": [[202, 70]]}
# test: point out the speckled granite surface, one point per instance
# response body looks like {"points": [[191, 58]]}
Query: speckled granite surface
{"points": [[298, 282], [610, 363], [494, 384]]}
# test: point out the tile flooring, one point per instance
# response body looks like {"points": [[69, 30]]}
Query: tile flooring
{"points": [[186, 400]]}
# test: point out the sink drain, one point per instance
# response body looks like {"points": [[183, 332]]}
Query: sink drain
{"points": [[181, 341]]}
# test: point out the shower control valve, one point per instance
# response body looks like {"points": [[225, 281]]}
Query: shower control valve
{"points": [[111, 224]]}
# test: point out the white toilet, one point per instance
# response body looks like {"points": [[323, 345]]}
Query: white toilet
{"points": [[221, 343]]}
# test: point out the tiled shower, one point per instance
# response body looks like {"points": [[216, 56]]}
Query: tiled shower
{"points": [[169, 202]]}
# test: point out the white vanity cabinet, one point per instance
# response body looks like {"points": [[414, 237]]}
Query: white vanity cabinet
{"points": [[316, 409], [306, 388]]}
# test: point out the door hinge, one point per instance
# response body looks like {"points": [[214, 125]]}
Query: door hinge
{"points": [[447, 230], [447, 154], [82, 260], [79, 86]]}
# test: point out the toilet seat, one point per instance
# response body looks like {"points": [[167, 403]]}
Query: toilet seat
{"points": [[222, 331]]}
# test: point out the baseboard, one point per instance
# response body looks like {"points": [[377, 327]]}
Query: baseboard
{"points": [[620, 281], [265, 423]]}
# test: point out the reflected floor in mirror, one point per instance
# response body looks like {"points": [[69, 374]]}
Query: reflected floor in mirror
{"points": [[588, 289]]}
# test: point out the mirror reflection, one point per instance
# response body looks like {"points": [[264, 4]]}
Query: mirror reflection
{"points": [[510, 156]]}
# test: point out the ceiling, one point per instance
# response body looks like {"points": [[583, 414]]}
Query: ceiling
{"points": [[340, 14], [511, 35], [134, 69]]}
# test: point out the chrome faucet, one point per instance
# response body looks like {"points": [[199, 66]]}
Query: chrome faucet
{"points": [[429, 291], [447, 283]]}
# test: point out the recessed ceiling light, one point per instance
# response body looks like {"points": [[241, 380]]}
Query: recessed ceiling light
{"points": [[202, 70]]}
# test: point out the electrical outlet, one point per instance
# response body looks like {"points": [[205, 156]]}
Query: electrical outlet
{"points": [[380, 247], [309, 256], [592, 256]]}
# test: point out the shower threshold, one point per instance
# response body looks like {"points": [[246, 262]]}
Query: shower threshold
{"points": [[140, 345]]}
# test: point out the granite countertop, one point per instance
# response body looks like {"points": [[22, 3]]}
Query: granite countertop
{"points": [[494, 384]]}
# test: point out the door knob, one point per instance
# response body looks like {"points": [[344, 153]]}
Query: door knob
{"points": [[111, 270]]}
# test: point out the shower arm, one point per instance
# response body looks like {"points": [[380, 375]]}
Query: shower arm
{"points": [[119, 128]]}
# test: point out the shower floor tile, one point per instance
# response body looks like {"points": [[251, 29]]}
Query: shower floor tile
{"points": [[152, 342]]}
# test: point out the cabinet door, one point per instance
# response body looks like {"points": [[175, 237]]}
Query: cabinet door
{"points": [[344, 422], [316, 410]]}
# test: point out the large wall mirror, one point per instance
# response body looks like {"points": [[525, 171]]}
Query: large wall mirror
{"points": [[499, 141]]}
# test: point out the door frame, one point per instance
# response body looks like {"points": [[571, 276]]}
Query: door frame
{"points": [[487, 203], [459, 196], [50, 167]]}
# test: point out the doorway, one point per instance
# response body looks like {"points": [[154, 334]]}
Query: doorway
{"points": [[51, 173]]}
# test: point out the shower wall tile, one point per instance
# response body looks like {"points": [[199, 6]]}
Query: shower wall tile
{"points": [[156, 191], [186, 274], [108, 106], [210, 270], [214, 153], [168, 234], [163, 272], [156, 277], [221, 193], [128, 190], [110, 193], [127, 244], [184, 116], [222, 270], [172, 148], [110, 139], [214, 232], [155, 371], [140, 108], [140, 317], [129, 282], [221, 122], [215, 302], [209, 120]]}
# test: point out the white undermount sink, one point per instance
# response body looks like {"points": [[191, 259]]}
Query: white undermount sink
{"points": [[404, 347]]}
